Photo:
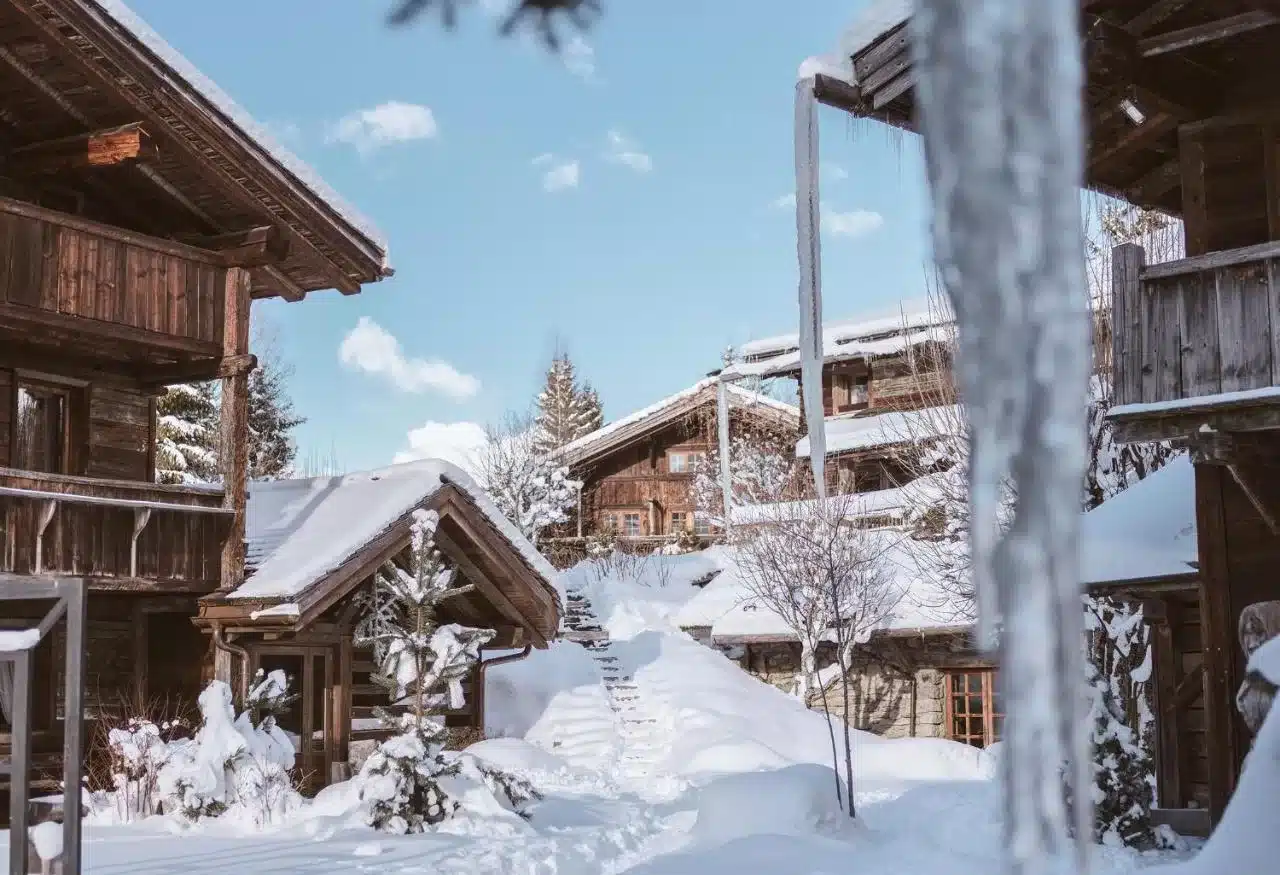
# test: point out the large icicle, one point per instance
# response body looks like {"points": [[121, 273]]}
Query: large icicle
{"points": [[999, 85], [809, 249], [722, 434]]}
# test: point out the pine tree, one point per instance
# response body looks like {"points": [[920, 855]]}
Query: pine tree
{"points": [[272, 449], [187, 434], [567, 408], [427, 661]]}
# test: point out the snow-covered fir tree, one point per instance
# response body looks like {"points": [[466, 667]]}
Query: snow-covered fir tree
{"points": [[187, 434], [567, 408], [407, 783], [272, 449], [530, 487]]}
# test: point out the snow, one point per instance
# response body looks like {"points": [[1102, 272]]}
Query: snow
{"points": [[300, 530], [738, 397], [21, 639], [875, 20], [737, 779], [863, 329], [1148, 531], [881, 502], [255, 133], [47, 839], [833, 351], [863, 432], [1221, 399]]}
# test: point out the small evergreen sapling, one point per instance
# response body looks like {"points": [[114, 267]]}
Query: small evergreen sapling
{"points": [[406, 782]]}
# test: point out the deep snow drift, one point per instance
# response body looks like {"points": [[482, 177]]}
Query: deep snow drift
{"points": [[737, 777]]}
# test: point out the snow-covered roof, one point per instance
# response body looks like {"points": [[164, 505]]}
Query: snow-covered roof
{"points": [[668, 409], [881, 502], [875, 19], [728, 608], [842, 341], [298, 531], [862, 432], [1146, 532], [186, 73]]}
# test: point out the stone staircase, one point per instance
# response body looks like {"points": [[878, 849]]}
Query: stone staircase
{"points": [[640, 743]]}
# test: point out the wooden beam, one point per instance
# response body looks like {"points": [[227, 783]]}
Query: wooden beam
{"points": [[1188, 89], [81, 151], [1269, 514], [1155, 183], [288, 289], [255, 247], [1195, 212], [1271, 164], [206, 369], [1136, 138], [234, 451], [484, 585], [18, 315], [1153, 15], [1223, 28]]}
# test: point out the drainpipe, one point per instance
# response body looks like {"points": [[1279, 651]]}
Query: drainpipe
{"points": [[484, 664], [222, 644]]}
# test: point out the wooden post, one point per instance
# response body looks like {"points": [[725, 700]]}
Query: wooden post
{"points": [[234, 447], [76, 595], [1127, 261], [1195, 213], [1168, 758], [1271, 164], [1218, 632]]}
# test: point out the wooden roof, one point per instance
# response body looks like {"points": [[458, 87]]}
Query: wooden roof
{"points": [[69, 69], [1153, 66], [510, 595]]}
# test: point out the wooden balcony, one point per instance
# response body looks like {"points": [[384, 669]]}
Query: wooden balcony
{"points": [[105, 293], [140, 537], [1196, 343]]}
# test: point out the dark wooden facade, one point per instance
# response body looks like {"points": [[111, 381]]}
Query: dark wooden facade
{"points": [[637, 482], [138, 220], [1184, 117]]}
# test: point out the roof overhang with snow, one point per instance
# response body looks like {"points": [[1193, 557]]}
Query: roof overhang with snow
{"points": [[312, 543], [76, 69], [644, 423], [879, 431]]}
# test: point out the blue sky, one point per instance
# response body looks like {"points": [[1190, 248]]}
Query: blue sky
{"points": [[515, 218]]}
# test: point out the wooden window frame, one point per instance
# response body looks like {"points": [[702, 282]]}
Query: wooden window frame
{"points": [[679, 521], [625, 529], [988, 692], [68, 392]]}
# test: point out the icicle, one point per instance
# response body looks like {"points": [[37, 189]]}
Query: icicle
{"points": [[809, 250], [999, 85], [722, 427]]}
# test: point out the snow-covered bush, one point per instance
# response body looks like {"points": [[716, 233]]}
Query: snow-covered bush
{"points": [[136, 751], [409, 783], [524, 481], [239, 765]]}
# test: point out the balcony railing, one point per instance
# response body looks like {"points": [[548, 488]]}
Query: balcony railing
{"points": [[1198, 334], [116, 533]]}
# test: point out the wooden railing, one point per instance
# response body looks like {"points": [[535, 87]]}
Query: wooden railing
{"points": [[125, 535], [1195, 328]]}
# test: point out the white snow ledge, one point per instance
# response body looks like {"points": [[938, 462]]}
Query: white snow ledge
{"points": [[1242, 398]]}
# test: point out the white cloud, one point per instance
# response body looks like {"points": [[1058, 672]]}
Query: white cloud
{"points": [[834, 172], [625, 151], [854, 223], [785, 202], [544, 158], [383, 125], [561, 176], [580, 58], [456, 442], [372, 349]]}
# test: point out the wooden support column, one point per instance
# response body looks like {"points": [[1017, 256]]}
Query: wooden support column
{"points": [[1271, 161], [1219, 634], [234, 448], [1168, 756], [1195, 212]]}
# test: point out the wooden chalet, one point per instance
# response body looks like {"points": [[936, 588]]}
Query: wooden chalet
{"points": [[637, 472], [140, 216], [886, 384], [1184, 117], [314, 546]]}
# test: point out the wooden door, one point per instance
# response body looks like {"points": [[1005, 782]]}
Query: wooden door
{"points": [[310, 718]]}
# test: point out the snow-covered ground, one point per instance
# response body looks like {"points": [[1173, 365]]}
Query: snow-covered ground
{"points": [[680, 763]]}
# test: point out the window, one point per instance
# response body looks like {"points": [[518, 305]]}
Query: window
{"points": [[631, 525], [681, 462], [701, 525], [611, 523], [679, 521], [975, 714], [41, 429]]}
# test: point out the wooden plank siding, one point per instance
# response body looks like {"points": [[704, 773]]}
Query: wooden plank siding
{"points": [[1198, 327], [178, 551], [73, 268]]}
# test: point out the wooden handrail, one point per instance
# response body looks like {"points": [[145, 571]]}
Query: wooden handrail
{"points": [[102, 501], [1212, 261]]}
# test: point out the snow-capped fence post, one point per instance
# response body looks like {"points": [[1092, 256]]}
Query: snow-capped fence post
{"points": [[809, 251], [999, 99], [722, 434]]}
